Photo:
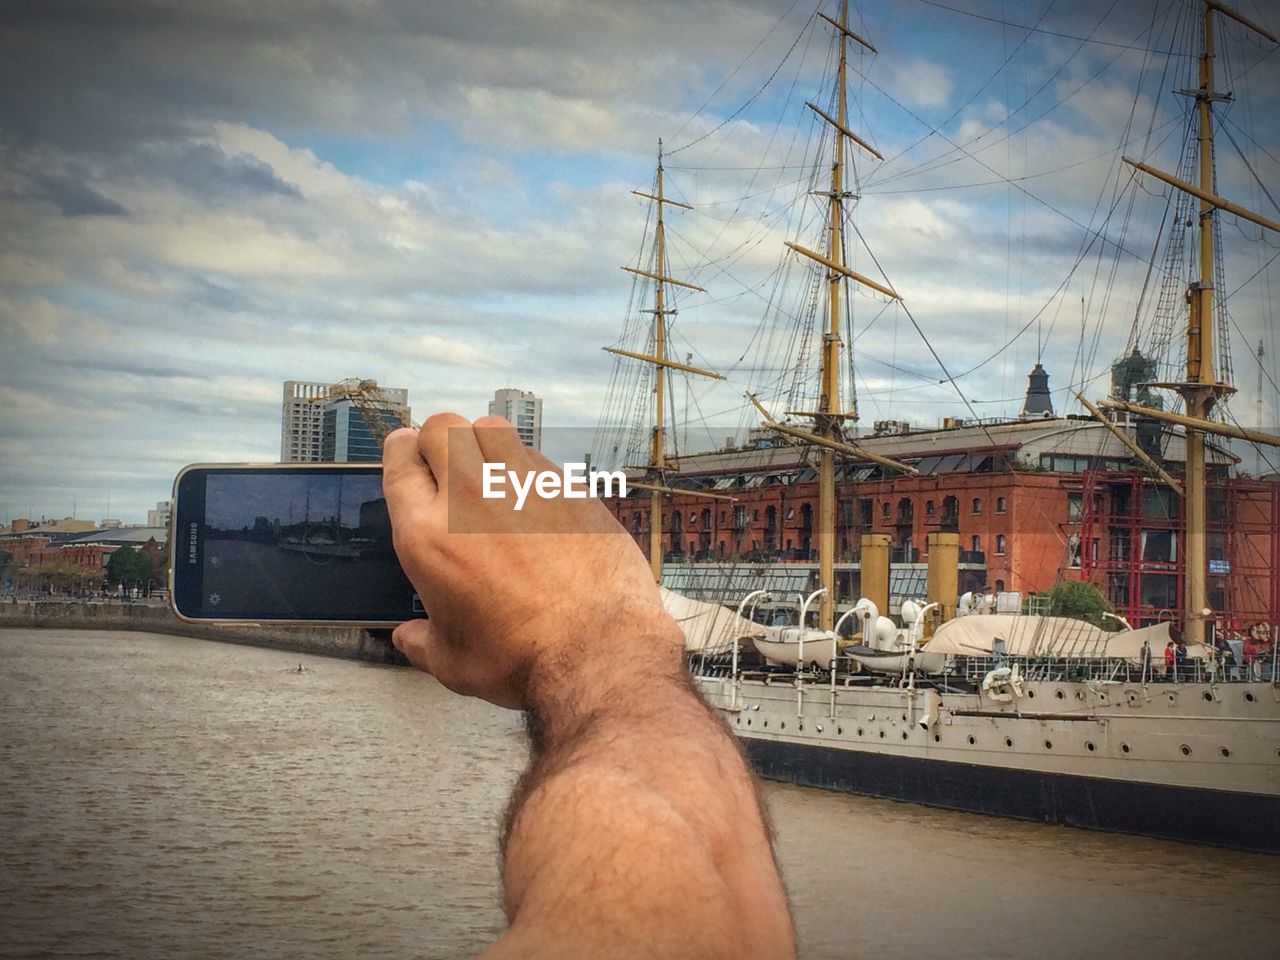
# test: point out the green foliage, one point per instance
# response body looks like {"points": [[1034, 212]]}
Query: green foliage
{"points": [[128, 566], [1083, 601]]}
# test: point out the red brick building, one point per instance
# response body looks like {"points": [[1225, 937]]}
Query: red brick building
{"points": [[1032, 501]]}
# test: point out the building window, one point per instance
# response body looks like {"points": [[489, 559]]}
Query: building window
{"points": [[1075, 507], [1000, 505], [999, 544], [977, 504], [928, 508], [976, 544], [884, 510]]}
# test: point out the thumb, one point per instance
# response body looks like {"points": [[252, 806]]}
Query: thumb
{"points": [[417, 640]]}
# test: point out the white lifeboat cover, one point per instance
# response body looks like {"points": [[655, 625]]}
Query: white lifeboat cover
{"points": [[709, 628]]}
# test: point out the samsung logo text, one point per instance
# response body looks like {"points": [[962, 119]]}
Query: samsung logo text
{"points": [[573, 482]]}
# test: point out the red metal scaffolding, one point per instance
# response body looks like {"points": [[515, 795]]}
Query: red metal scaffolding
{"points": [[1132, 547]]}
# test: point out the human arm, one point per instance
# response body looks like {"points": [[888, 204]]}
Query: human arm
{"points": [[636, 830]]}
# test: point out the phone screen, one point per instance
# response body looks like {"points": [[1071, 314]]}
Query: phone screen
{"points": [[287, 542]]}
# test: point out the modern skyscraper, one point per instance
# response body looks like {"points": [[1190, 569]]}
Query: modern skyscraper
{"points": [[524, 410], [300, 420], [334, 422], [346, 434]]}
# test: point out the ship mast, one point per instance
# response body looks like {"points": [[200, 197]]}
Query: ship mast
{"points": [[656, 469], [829, 394], [827, 433], [1201, 389]]}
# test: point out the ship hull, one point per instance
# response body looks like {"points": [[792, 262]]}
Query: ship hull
{"points": [[1241, 821], [1196, 762]]}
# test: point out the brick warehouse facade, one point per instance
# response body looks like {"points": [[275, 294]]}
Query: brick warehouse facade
{"points": [[1032, 502]]}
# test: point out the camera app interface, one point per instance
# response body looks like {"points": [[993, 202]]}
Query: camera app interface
{"points": [[301, 546]]}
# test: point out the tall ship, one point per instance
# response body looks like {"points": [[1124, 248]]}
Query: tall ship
{"points": [[904, 612]]}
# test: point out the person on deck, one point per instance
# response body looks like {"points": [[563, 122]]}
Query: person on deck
{"points": [[1251, 668], [636, 830], [1170, 661]]}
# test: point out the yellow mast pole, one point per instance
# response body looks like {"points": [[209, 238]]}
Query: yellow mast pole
{"points": [[657, 459], [1200, 391], [829, 400]]}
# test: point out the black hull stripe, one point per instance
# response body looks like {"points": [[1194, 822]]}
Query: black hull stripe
{"points": [[1241, 821]]}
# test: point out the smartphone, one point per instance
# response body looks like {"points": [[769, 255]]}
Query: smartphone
{"points": [[290, 543]]}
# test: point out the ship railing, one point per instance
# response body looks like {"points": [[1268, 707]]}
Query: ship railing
{"points": [[1049, 669]]}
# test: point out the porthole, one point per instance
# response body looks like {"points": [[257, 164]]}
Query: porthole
{"points": [[1079, 694], [840, 731], [748, 721], [1059, 694], [1031, 694], [1048, 744], [859, 731], [766, 723], [972, 741], [1248, 697], [881, 734], [1124, 748], [782, 725], [904, 718], [1088, 745], [1008, 741], [1225, 752], [739, 720], [904, 734], [937, 738], [1208, 695], [1186, 750]]}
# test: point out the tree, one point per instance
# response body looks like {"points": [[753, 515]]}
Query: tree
{"points": [[127, 565], [1081, 600]]}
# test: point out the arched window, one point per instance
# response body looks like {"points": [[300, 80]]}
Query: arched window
{"points": [[999, 543], [884, 509], [1000, 504], [977, 504]]}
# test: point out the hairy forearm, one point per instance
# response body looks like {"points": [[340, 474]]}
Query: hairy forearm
{"points": [[638, 802]]}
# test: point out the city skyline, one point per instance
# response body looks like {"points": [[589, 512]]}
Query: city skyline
{"points": [[201, 203]]}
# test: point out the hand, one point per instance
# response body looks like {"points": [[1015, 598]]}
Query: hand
{"points": [[537, 590]]}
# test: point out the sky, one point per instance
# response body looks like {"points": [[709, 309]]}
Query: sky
{"points": [[199, 201]]}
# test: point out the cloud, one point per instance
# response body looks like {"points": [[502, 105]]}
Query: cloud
{"points": [[920, 83], [202, 200]]}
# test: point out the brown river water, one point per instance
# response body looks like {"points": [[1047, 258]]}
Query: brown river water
{"points": [[168, 798]]}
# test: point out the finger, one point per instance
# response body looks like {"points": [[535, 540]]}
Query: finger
{"points": [[406, 479], [499, 443], [414, 638], [447, 442]]}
